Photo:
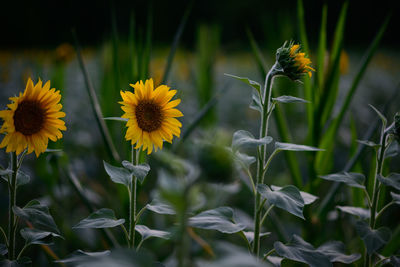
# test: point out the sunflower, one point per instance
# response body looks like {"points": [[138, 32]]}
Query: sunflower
{"points": [[151, 115], [292, 62], [32, 119]]}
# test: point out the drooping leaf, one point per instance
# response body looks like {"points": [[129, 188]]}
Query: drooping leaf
{"points": [[289, 99], [275, 260], [5, 174], [103, 218], [253, 84], [393, 150], [139, 171], [352, 179], [250, 235], [393, 180], [287, 198], [3, 249], [369, 143], [220, 219], [294, 147], [356, 211], [242, 159], [119, 175], [146, 232], [383, 118], [35, 236], [79, 255], [373, 239], [300, 250], [243, 138], [22, 178], [38, 215], [160, 207], [307, 197], [256, 102], [396, 197]]}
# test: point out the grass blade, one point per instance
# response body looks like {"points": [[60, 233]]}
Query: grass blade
{"points": [[321, 51], [94, 102], [175, 42]]}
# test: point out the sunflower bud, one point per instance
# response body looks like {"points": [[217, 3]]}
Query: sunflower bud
{"points": [[291, 62]]}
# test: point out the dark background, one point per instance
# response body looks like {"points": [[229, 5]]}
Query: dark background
{"points": [[46, 24]]}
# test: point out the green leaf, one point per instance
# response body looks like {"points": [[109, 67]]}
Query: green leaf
{"points": [[246, 80], [288, 198], [393, 150], [352, 179], [103, 218], [369, 143], [256, 102], [373, 239], [242, 159], [4, 173], [160, 207], [21, 262], [250, 235], [115, 119], [396, 197], [139, 171], [3, 249], [356, 211], [243, 138], [294, 147], [393, 180], [38, 215], [146, 232], [301, 251], [35, 236], [220, 219], [307, 197], [119, 175], [289, 99], [79, 255], [22, 178], [383, 118]]}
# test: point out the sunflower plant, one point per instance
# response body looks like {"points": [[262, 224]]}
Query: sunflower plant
{"points": [[32, 118], [150, 115]]}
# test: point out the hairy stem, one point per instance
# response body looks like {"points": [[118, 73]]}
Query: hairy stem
{"points": [[12, 188]]}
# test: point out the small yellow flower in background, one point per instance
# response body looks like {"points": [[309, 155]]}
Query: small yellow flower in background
{"points": [[32, 119], [151, 115], [292, 62]]}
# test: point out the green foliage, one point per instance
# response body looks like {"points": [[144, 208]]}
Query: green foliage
{"points": [[103, 218]]}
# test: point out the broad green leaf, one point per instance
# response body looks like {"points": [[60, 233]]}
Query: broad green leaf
{"points": [[220, 219], [38, 215], [369, 143], [294, 147], [307, 197], [396, 197], [253, 84], [287, 198], [21, 262], [242, 159], [103, 218], [3, 249], [139, 171], [115, 119], [275, 260], [373, 239], [160, 207], [393, 180], [22, 178], [301, 251], [289, 99], [383, 118], [35, 236], [360, 212], [119, 175], [352, 179], [4, 173], [393, 150], [80, 255], [243, 138], [146, 232]]}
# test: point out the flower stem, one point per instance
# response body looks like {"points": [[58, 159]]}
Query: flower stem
{"points": [[132, 201], [380, 157], [12, 188], [261, 158]]}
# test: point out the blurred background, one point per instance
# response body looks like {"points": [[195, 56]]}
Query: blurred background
{"points": [[124, 41]]}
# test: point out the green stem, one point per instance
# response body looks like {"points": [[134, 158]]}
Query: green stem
{"points": [[266, 214], [12, 188], [375, 194], [261, 158], [132, 203], [268, 254], [22, 250], [383, 209]]}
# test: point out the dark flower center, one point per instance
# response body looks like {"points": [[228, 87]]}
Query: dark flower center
{"points": [[149, 116], [29, 117]]}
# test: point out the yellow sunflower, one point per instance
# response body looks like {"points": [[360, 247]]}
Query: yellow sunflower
{"points": [[32, 119], [151, 115], [301, 61]]}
